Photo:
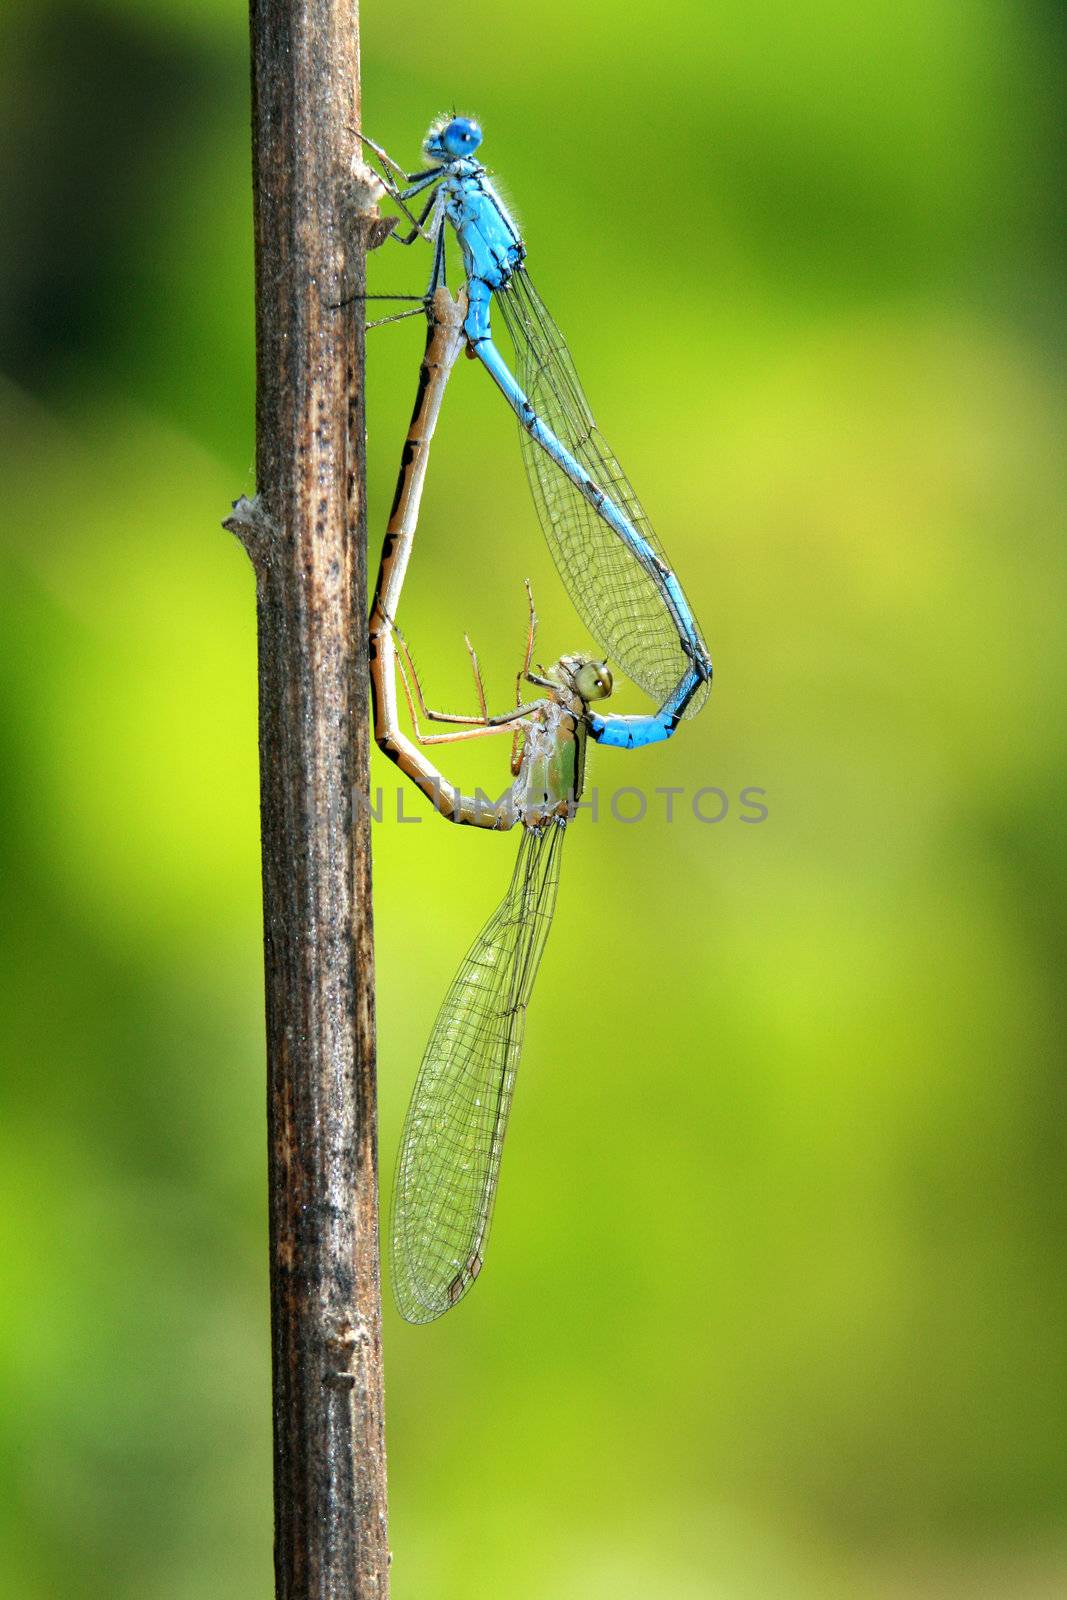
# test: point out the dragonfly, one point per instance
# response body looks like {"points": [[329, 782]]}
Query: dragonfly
{"points": [[453, 1135], [603, 544]]}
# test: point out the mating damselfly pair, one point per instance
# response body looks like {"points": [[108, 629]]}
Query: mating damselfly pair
{"points": [[622, 587]]}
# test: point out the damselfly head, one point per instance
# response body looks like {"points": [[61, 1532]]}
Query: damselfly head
{"points": [[452, 138], [588, 677]]}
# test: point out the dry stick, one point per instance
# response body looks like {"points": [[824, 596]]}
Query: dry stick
{"points": [[306, 535]]}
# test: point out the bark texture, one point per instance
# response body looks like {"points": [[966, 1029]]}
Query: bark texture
{"points": [[306, 535]]}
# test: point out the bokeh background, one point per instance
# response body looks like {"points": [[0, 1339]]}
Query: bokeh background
{"points": [[775, 1302]]}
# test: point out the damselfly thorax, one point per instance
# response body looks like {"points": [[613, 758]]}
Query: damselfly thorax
{"points": [[551, 772]]}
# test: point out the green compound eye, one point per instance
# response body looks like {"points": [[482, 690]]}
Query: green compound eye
{"points": [[594, 681]]}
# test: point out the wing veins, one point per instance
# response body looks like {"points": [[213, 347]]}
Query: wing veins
{"points": [[453, 1135]]}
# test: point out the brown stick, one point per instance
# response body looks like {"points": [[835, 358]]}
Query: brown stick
{"points": [[306, 535]]}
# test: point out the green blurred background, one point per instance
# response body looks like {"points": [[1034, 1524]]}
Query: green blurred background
{"points": [[775, 1304]]}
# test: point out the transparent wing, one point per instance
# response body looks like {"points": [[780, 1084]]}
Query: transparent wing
{"points": [[453, 1134], [620, 603]]}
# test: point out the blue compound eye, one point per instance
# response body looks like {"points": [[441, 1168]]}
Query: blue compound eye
{"points": [[462, 137]]}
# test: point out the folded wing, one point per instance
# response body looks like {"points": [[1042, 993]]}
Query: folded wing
{"points": [[453, 1136], [620, 601]]}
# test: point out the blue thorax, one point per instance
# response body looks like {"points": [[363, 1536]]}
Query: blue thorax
{"points": [[488, 237]]}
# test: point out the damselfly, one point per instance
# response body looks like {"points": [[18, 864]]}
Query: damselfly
{"points": [[453, 1135], [601, 540]]}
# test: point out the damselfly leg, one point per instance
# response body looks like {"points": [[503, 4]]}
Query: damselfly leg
{"points": [[523, 676]]}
